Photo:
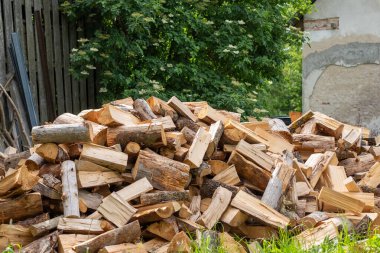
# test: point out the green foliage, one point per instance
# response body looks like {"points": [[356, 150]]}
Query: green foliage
{"points": [[219, 51], [11, 248]]}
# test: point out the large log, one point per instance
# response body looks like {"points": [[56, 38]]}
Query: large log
{"points": [[163, 173], [314, 143], [42, 245], [70, 190], [163, 196], [362, 163], [146, 134], [25, 206], [127, 233], [44, 227], [62, 133], [80, 226]]}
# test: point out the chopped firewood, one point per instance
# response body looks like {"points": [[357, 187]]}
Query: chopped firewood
{"points": [[13, 235], [276, 144], [62, 133], [127, 233], [198, 148], [115, 209], [154, 244], [219, 204], [160, 107], [34, 162], [319, 163], [216, 131], [375, 151], [249, 171], [105, 157], [112, 116], [317, 235], [163, 196], [259, 210], [185, 212], [17, 183], [341, 200], [310, 127], [256, 232], [181, 108], [90, 200], [70, 190], [315, 143], [195, 207], [165, 229], [334, 177], [302, 189], [44, 227], [232, 136], [48, 152], [42, 245], [351, 185], [180, 243], [273, 192], [163, 173], [328, 125], [143, 110], [372, 178], [175, 139], [99, 133], [88, 179], [156, 212], [228, 176], [209, 186], [52, 182], [367, 197], [68, 118], [67, 241], [188, 134], [25, 206], [360, 164], [278, 127], [210, 115], [255, 155], [146, 134], [217, 166], [233, 217], [352, 137], [180, 154], [80, 226], [300, 121], [125, 248], [34, 220]]}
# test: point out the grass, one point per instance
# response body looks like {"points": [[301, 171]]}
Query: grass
{"points": [[285, 243]]}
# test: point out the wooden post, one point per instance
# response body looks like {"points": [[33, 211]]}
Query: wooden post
{"points": [[70, 190], [61, 133]]}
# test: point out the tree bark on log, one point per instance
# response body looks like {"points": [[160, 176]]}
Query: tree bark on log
{"points": [[127, 233], [70, 190], [163, 173], [28, 205], [34, 162], [45, 244], [143, 109], [62, 133], [163, 196]]}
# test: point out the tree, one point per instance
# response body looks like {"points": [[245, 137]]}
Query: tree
{"points": [[219, 51]]}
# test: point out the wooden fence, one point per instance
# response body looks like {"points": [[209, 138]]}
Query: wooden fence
{"points": [[60, 36]]}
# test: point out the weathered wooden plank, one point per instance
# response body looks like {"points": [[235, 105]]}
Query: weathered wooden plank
{"points": [[82, 83], [74, 83], [66, 64], [57, 57], [31, 53], [2, 48], [49, 44], [41, 89], [18, 22], [8, 22]]}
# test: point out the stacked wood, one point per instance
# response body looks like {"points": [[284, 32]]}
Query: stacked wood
{"points": [[175, 168]]}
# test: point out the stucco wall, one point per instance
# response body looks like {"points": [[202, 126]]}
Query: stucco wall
{"points": [[341, 71]]}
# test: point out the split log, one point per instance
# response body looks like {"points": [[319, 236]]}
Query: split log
{"points": [[83, 165], [217, 166], [185, 122], [80, 226], [313, 219], [42, 245], [316, 236], [249, 171], [334, 177], [228, 176], [11, 161], [220, 201], [34, 162], [163, 196], [352, 137], [341, 200], [300, 121], [70, 190], [62, 133], [115, 209], [68, 118], [360, 164], [314, 143], [52, 153], [188, 225], [310, 127], [143, 109], [228, 243], [319, 163], [124, 247], [259, 210], [160, 107], [88, 179], [154, 244], [163, 173], [188, 134], [17, 183], [273, 191], [181, 109], [99, 133], [210, 115], [47, 191], [105, 157], [165, 229], [180, 243], [127, 233], [143, 134], [198, 148], [328, 125], [255, 155], [232, 136], [175, 139], [372, 178], [13, 235], [274, 143], [233, 217], [34, 220], [351, 185], [278, 127], [180, 154], [209, 187], [156, 212], [132, 149], [44, 227], [26, 206], [48, 168], [112, 116], [67, 241]]}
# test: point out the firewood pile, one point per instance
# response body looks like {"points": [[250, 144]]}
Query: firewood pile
{"points": [[148, 175]]}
